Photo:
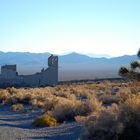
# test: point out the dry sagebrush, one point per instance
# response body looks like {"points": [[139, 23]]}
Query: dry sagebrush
{"points": [[109, 109]]}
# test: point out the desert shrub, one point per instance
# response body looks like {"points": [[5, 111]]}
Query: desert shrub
{"points": [[103, 125], [45, 121], [4, 94], [21, 96], [50, 103], [17, 107], [61, 94], [12, 90], [80, 119], [104, 85], [82, 108], [120, 121], [26, 99], [38, 103], [64, 111], [130, 117], [123, 94], [17, 97], [71, 97], [108, 99], [94, 104], [85, 108], [135, 87]]}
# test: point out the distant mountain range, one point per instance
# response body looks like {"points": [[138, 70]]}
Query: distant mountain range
{"points": [[71, 66]]}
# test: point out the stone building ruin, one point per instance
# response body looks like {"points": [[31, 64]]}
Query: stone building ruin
{"points": [[49, 76]]}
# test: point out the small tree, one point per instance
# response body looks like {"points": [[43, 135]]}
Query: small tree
{"points": [[133, 72]]}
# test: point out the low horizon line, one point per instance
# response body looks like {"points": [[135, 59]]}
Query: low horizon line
{"points": [[67, 53]]}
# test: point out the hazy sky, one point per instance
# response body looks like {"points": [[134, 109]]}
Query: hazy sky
{"points": [[61, 26]]}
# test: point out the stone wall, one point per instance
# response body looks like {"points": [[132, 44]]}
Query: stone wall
{"points": [[46, 77]]}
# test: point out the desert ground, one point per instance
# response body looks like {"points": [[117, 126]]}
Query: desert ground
{"points": [[18, 125], [71, 111]]}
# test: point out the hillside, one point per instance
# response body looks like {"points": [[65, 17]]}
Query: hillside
{"points": [[71, 66]]}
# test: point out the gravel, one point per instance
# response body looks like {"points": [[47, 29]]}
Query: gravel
{"points": [[18, 126]]}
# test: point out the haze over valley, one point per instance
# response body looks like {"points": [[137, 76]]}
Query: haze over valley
{"points": [[73, 66]]}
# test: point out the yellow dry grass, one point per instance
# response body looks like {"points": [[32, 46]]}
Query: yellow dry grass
{"points": [[98, 103]]}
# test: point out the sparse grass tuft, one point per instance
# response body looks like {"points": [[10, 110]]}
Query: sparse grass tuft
{"points": [[80, 119], [17, 107], [45, 121], [3, 96]]}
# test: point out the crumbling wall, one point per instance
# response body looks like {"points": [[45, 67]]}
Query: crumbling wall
{"points": [[46, 77]]}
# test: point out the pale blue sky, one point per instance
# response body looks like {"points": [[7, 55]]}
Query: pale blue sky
{"points": [[60, 26]]}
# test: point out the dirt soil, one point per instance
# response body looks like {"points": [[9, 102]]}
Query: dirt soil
{"points": [[18, 126]]}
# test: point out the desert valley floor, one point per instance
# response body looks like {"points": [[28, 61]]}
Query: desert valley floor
{"points": [[71, 111]]}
